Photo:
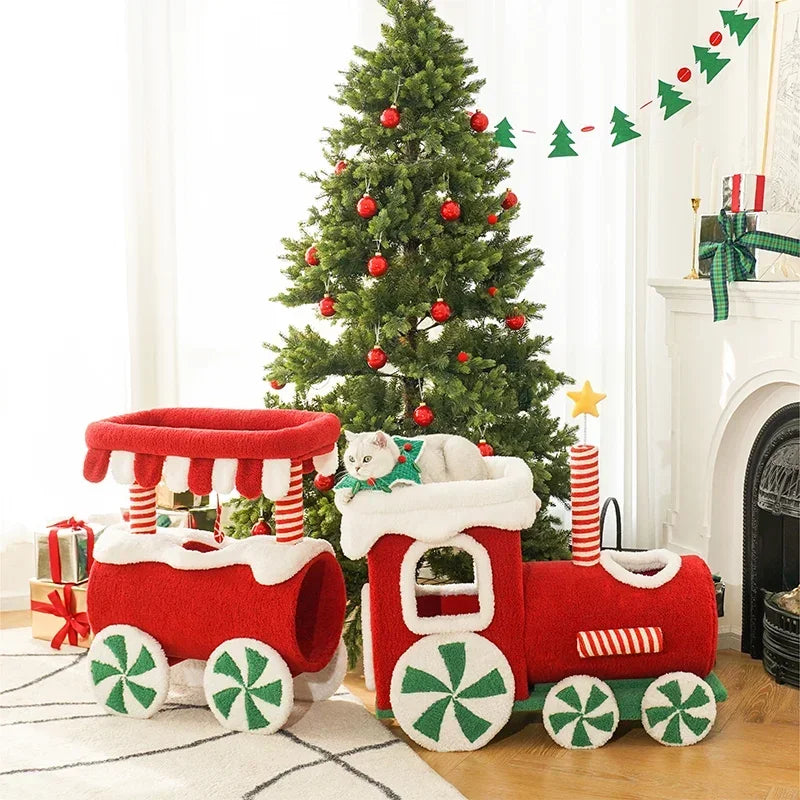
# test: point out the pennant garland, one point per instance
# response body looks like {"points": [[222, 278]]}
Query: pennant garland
{"points": [[710, 63]]}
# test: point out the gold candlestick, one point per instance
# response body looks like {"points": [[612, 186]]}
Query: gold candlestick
{"points": [[693, 276]]}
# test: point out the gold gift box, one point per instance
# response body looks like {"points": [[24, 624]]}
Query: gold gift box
{"points": [[166, 498], [46, 626]]}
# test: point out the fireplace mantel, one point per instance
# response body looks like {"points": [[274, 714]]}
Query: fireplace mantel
{"points": [[725, 379]]}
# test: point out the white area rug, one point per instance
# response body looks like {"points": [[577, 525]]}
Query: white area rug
{"points": [[57, 742]]}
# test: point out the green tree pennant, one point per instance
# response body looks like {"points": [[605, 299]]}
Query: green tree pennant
{"points": [[738, 23], [710, 61], [622, 128], [503, 133], [562, 143], [672, 101]]}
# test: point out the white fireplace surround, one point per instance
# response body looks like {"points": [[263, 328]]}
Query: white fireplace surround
{"points": [[727, 378]]}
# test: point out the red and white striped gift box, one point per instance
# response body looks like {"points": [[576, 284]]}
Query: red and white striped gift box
{"points": [[584, 465], [620, 642], [743, 192]]}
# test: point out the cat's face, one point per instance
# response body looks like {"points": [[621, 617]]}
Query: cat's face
{"points": [[369, 455]]}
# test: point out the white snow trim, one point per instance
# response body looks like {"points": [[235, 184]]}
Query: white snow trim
{"points": [[176, 473], [223, 475], [434, 512], [275, 477], [626, 567], [272, 562], [121, 462], [328, 463], [447, 623], [366, 639]]}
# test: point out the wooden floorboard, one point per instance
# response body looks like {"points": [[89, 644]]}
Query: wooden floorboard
{"points": [[753, 752]]}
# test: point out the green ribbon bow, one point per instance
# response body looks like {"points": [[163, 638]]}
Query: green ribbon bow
{"points": [[733, 259], [405, 471]]}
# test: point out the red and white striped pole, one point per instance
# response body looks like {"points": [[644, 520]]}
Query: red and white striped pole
{"points": [[289, 509], [585, 495], [219, 534], [143, 509]]}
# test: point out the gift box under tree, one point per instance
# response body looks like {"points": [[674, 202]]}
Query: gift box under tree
{"points": [[64, 553], [58, 613]]}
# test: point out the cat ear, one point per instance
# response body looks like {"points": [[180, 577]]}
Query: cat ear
{"points": [[381, 439], [350, 436]]}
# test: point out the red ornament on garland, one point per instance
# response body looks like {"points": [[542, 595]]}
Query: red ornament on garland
{"points": [[340, 167], [515, 321], [324, 482], [479, 121], [463, 357], [492, 219], [510, 200], [450, 210], [440, 311], [492, 291], [390, 117], [377, 265], [485, 448], [366, 207], [276, 385], [327, 306], [715, 39], [261, 528], [423, 415], [684, 74], [376, 358], [312, 259]]}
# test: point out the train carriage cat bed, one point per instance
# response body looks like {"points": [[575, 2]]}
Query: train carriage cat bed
{"points": [[265, 613], [451, 662]]}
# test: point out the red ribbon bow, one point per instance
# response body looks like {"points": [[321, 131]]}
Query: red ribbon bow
{"points": [[52, 543], [75, 625]]}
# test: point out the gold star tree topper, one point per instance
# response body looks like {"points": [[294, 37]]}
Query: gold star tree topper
{"points": [[586, 400]]}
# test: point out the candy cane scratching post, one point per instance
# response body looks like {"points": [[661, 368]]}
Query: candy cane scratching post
{"points": [[585, 484]]}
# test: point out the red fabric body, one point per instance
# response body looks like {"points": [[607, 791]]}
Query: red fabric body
{"points": [[204, 434], [191, 612], [390, 636], [562, 599]]}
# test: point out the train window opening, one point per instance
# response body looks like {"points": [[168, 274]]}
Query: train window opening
{"points": [[647, 569], [449, 593]]}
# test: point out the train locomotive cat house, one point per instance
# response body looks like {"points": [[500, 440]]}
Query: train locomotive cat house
{"points": [[264, 613], [632, 636]]}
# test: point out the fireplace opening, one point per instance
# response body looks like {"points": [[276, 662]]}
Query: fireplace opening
{"points": [[771, 562]]}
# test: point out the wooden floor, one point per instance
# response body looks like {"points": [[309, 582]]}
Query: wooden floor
{"points": [[753, 752]]}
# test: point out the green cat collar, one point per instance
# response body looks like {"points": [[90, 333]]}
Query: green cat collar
{"points": [[405, 471]]}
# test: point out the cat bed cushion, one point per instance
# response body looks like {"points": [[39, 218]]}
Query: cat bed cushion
{"points": [[434, 512]]}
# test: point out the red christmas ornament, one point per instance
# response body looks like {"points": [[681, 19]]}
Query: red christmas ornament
{"points": [[401, 459], [311, 256], [715, 39], [390, 117], [324, 482], [463, 357], [261, 528], [327, 306], [407, 447], [366, 207], [492, 219], [440, 311], [277, 385], [377, 265], [492, 290], [684, 74], [376, 357], [340, 167], [510, 200], [450, 210], [423, 416], [515, 321], [479, 121], [485, 448]]}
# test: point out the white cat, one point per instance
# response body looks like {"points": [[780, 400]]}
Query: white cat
{"points": [[444, 457]]}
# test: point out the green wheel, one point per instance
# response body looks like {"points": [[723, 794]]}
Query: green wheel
{"points": [[248, 686], [678, 709], [580, 712], [129, 671], [452, 692]]}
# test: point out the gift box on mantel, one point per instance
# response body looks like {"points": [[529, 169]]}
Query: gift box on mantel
{"points": [[743, 192], [747, 246], [58, 613], [64, 553]]}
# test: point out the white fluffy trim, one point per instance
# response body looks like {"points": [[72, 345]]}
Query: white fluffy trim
{"points": [[328, 463], [434, 512], [627, 567], [271, 561]]}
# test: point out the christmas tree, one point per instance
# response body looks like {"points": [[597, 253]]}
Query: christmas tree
{"points": [[739, 24], [503, 133], [622, 128], [671, 99], [710, 62], [562, 143], [424, 190]]}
